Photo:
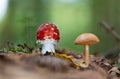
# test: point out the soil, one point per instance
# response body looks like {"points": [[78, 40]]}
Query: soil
{"points": [[35, 66]]}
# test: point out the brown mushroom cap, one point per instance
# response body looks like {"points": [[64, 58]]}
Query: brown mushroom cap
{"points": [[86, 38]]}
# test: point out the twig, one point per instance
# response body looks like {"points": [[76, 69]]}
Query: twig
{"points": [[110, 30]]}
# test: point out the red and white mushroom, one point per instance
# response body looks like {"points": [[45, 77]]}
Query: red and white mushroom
{"points": [[48, 36]]}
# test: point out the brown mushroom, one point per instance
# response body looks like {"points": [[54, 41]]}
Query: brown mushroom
{"points": [[86, 39]]}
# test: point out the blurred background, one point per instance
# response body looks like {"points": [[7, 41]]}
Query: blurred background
{"points": [[19, 20]]}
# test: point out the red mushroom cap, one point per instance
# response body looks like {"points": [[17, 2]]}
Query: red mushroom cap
{"points": [[47, 31]]}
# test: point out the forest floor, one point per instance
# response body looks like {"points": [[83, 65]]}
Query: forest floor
{"points": [[35, 66]]}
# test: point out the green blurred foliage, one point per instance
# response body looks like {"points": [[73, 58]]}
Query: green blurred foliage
{"points": [[72, 17]]}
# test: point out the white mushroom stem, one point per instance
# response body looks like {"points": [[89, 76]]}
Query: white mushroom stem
{"points": [[86, 54], [48, 45]]}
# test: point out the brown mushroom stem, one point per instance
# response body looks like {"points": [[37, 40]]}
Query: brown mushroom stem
{"points": [[86, 54]]}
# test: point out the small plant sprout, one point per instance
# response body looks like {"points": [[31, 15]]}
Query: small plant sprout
{"points": [[86, 39], [47, 35]]}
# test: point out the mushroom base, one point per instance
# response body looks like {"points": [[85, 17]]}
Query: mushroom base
{"points": [[48, 45], [86, 54]]}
